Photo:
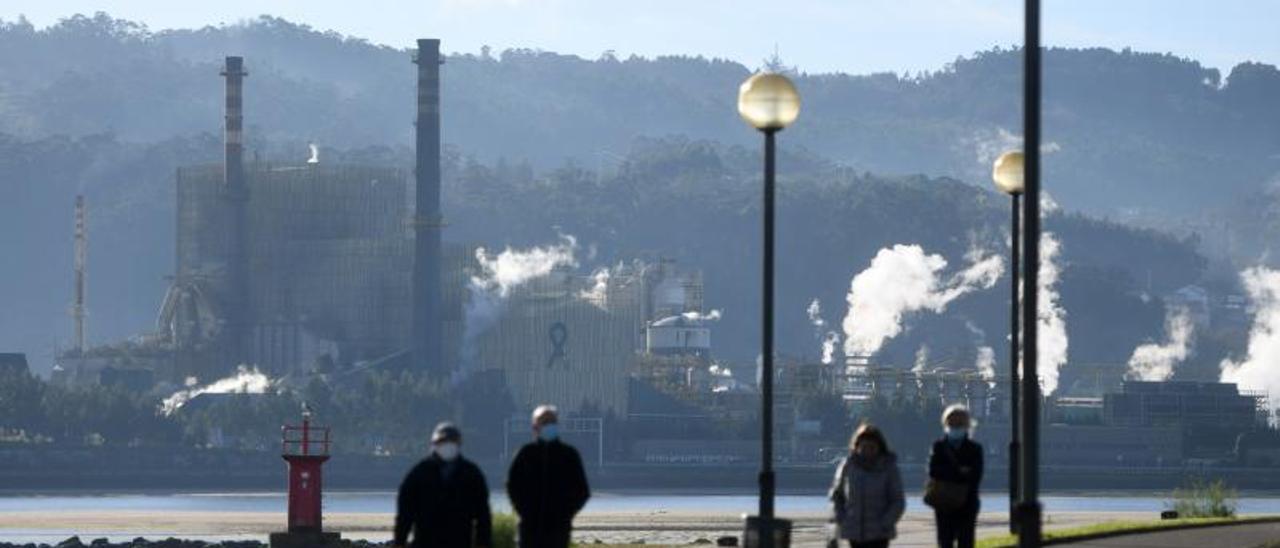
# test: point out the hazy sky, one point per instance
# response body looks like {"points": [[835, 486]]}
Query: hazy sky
{"points": [[816, 35]]}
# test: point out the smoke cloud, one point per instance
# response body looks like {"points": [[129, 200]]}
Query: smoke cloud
{"points": [[246, 380], [695, 316], [499, 275], [815, 314], [901, 280], [986, 363], [830, 340], [1154, 361], [1052, 333], [1260, 369], [599, 292]]}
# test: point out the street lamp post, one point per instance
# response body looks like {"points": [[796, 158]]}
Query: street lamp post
{"points": [[1028, 500], [1008, 176], [768, 102]]}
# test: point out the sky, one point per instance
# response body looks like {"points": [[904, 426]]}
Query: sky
{"points": [[855, 36]]}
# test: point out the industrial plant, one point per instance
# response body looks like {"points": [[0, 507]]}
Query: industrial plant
{"points": [[299, 269], [291, 268]]}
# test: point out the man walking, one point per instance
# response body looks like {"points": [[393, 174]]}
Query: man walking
{"points": [[547, 485], [444, 500]]}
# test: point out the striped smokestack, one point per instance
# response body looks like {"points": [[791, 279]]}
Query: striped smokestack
{"points": [[426, 344], [237, 192]]}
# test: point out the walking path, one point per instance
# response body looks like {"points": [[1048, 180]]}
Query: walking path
{"points": [[1224, 536]]}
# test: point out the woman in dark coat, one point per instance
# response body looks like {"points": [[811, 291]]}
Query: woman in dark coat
{"points": [[955, 458]]}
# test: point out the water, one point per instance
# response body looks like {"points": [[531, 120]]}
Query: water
{"points": [[383, 502], [379, 502]]}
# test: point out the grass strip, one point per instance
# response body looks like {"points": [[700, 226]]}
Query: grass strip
{"points": [[1121, 527]]}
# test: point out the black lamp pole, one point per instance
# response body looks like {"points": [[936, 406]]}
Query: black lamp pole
{"points": [[1029, 504], [1015, 268], [766, 369]]}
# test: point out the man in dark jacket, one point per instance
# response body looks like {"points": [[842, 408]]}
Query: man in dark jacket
{"points": [[957, 459], [444, 500], [547, 485]]}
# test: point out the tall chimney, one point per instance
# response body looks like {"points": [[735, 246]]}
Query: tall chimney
{"points": [[82, 256], [426, 344], [237, 192]]}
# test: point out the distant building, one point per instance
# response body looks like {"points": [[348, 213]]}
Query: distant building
{"points": [[1177, 403]]}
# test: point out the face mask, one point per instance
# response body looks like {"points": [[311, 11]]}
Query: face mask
{"points": [[956, 433], [447, 450], [548, 432]]}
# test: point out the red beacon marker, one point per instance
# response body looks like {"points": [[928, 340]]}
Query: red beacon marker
{"points": [[305, 448]]}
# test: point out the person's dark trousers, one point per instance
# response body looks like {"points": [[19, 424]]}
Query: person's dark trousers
{"points": [[870, 544], [955, 530], [559, 538]]}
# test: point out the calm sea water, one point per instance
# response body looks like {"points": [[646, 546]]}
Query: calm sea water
{"points": [[603, 502]]}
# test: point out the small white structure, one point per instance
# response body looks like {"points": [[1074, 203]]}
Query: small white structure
{"points": [[678, 336]]}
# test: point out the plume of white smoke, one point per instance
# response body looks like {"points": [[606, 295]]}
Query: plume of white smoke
{"points": [[1154, 361], [695, 316], [922, 359], [989, 144], [1260, 369], [815, 314], [499, 275], [598, 294], [903, 279], [986, 363], [1048, 205], [986, 358], [830, 342], [246, 380], [1052, 330]]}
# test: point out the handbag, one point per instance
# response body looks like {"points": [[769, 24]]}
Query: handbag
{"points": [[946, 496]]}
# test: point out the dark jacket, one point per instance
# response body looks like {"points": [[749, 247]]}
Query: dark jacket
{"points": [[959, 464], [444, 504], [548, 487], [868, 500]]}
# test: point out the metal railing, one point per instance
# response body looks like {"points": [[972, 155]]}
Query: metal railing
{"points": [[304, 440]]}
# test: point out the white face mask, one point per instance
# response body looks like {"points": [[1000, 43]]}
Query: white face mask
{"points": [[447, 450]]}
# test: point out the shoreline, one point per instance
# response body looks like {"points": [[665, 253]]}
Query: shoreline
{"points": [[656, 527]]}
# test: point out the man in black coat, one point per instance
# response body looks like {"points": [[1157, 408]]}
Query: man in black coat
{"points": [[547, 485], [956, 458], [444, 500]]}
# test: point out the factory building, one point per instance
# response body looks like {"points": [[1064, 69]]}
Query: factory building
{"points": [[287, 266], [575, 339]]}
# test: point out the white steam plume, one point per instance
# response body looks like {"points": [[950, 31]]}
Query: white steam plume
{"points": [[901, 280], [986, 363], [1260, 369], [1052, 332], [986, 358], [499, 275], [922, 359], [695, 316], [815, 314], [830, 340], [599, 292], [1154, 361], [245, 381]]}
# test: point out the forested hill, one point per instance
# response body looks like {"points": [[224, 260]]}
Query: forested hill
{"points": [[1129, 133]]}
